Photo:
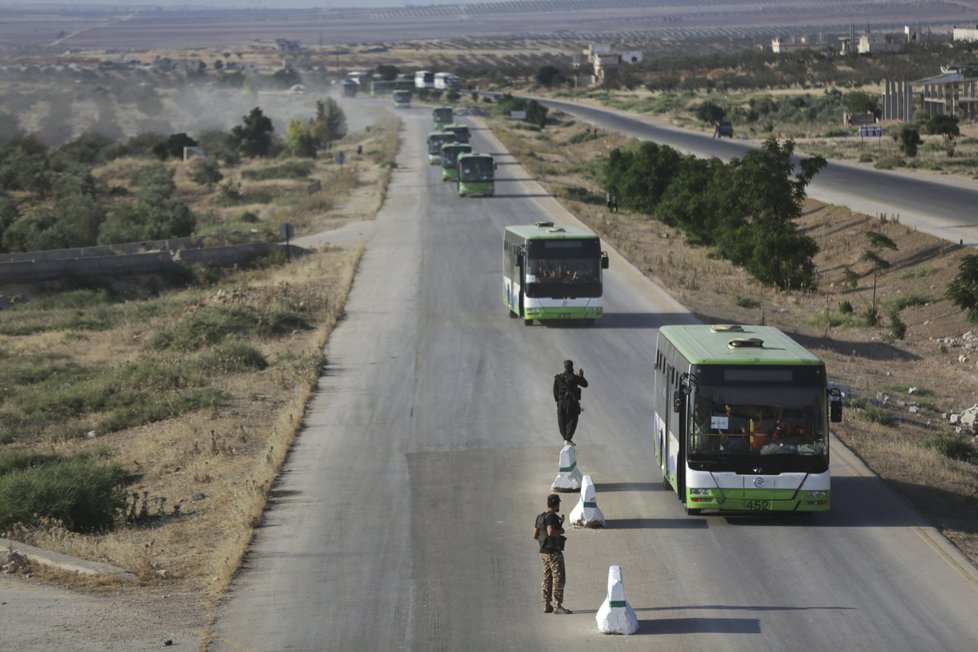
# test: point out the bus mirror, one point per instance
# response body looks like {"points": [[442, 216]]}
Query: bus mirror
{"points": [[835, 405], [677, 401], [519, 259], [604, 260]]}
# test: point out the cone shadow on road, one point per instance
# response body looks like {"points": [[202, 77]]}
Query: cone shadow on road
{"points": [[655, 523], [700, 625]]}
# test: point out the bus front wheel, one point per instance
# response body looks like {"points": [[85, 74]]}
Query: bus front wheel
{"points": [[692, 511], [528, 322]]}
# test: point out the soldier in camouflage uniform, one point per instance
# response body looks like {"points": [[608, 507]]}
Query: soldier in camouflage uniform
{"points": [[567, 394], [550, 524]]}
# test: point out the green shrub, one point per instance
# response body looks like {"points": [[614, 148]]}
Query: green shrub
{"points": [[917, 272], [890, 162], [746, 302], [82, 299], [582, 137], [950, 445], [872, 412], [897, 327], [281, 321], [153, 408], [233, 357], [871, 316], [906, 302], [851, 278], [287, 170], [845, 308], [204, 327], [82, 492]]}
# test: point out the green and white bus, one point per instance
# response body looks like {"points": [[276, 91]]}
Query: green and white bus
{"points": [[552, 272], [435, 141], [442, 116], [402, 99], [742, 419], [449, 159], [476, 175], [462, 133]]}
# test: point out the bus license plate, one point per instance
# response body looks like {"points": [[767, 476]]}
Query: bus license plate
{"points": [[758, 505]]}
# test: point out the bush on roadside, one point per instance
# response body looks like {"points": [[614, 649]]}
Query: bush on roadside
{"points": [[233, 357], [950, 445], [204, 327], [83, 492]]}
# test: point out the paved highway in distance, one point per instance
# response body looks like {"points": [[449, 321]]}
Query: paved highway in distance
{"points": [[943, 206], [403, 516]]}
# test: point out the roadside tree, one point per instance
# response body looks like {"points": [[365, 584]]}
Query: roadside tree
{"points": [[253, 138], [909, 139], [947, 126], [549, 75], [963, 290], [206, 172], [877, 243]]}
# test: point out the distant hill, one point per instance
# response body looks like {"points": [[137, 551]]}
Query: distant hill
{"points": [[134, 26]]}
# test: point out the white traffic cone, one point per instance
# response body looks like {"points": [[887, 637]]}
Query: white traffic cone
{"points": [[616, 616], [587, 512], [568, 475]]}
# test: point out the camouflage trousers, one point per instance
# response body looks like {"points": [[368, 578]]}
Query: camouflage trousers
{"points": [[552, 587]]}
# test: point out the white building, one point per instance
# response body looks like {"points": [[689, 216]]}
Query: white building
{"points": [[605, 62], [967, 34]]}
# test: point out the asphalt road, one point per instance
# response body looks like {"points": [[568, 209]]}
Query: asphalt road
{"points": [[404, 515], [942, 206]]}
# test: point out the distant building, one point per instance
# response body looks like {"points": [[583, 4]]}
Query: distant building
{"points": [[605, 63], [872, 43], [953, 92], [782, 46], [966, 34]]}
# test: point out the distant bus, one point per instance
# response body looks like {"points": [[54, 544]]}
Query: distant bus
{"points": [[552, 271], [435, 140], [462, 133], [446, 81], [476, 175], [424, 79], [350, 88], [402, 99], [449, 159], [742, 419], [358, 77], [442, 116]]}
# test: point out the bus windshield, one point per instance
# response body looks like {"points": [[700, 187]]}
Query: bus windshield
{"points": [[476, 169], [449, 155], [435, 141], [563, 268], [755, 420]]}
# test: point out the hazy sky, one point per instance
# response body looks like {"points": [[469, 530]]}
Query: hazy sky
{"points": [[266, 4]]}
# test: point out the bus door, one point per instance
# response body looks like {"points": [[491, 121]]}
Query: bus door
{"points": [[674, 453]]}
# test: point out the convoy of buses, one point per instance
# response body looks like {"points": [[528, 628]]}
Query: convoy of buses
{"points": [[741, 413]]}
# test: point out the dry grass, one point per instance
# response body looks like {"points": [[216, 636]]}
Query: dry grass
{"points": [[878, 365], [204, 476]]}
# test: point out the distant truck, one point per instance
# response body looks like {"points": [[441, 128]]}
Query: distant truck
{"points": [[350, 88], [446, 81], [723, 129], [424, 79]]}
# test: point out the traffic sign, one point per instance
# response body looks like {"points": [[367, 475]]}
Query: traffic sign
{"points": [[873, 131]]}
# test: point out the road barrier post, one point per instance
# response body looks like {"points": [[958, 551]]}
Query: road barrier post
{"points": [[587, 513], [616, 616]]}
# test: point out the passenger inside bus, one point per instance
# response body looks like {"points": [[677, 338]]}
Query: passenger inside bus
{"points": [[731, 428]]}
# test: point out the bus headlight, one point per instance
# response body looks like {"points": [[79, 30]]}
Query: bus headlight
{"points": [[818, 494], [700, 492]]}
